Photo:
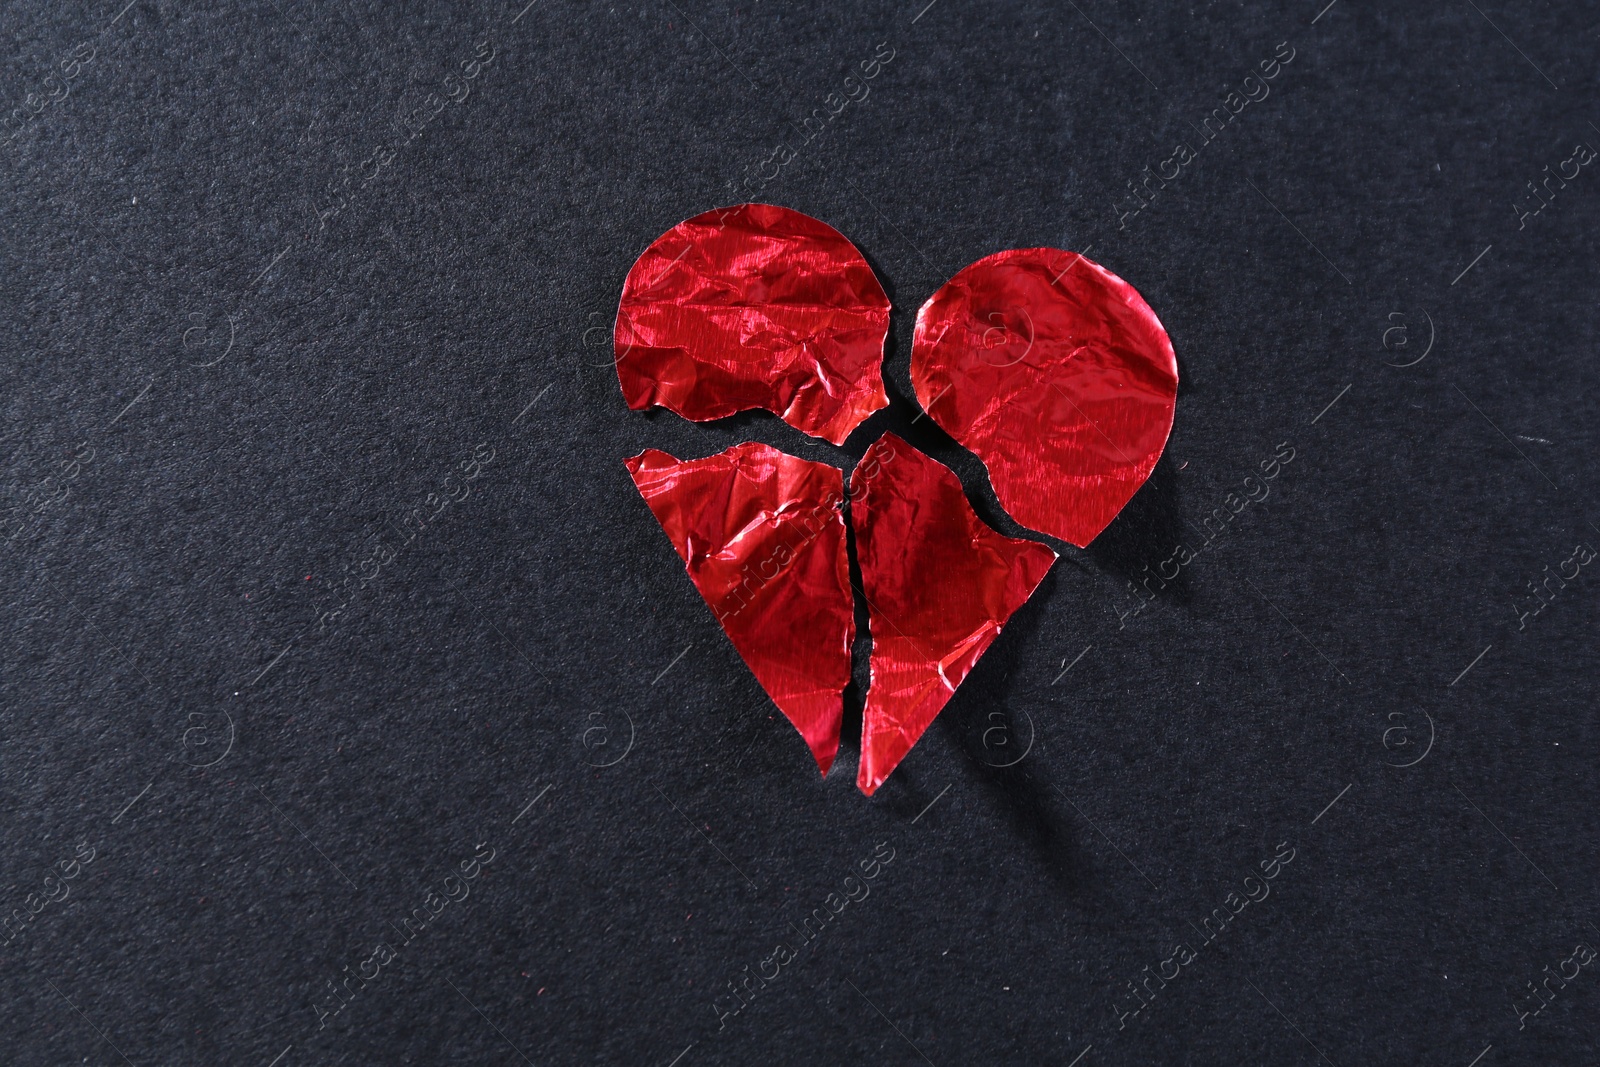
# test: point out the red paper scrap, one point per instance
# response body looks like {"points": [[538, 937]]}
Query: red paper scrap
{"points": [[939, 585], [754, 306], [762, 535], [1055, 373]]}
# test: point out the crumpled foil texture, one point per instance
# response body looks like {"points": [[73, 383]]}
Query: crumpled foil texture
{"points": [[939, 585], [1055, 373], [754, 306], [763, 538]]}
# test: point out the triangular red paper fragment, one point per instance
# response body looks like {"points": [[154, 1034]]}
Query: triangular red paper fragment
{"points": [[754, 306], [762, 535], [939, 585]]}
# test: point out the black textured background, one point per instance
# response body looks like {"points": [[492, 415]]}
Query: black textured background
{"points": [[240, 348]]}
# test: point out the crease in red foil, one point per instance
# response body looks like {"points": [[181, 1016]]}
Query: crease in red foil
{"points": [[1057, 375], [762, 536], [754, 306], [939, 585]]}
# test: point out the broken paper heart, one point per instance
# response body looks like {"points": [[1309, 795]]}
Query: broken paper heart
{"points": [[1051, 369]]}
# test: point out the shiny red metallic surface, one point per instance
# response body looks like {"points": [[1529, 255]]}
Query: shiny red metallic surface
{"points": [[754, 306], [939, 585], [1057, 374], [762, 535]]}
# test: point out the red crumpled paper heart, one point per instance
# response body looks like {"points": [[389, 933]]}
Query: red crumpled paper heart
{"points": [[1053, 370]]}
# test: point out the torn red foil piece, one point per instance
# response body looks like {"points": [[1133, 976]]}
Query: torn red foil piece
{"points": [[1055, 373], [939, 585], [754, 306], [762, 536]]}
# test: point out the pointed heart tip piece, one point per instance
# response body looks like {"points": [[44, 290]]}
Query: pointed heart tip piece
{"points": [[762, 536], [939, 584]]}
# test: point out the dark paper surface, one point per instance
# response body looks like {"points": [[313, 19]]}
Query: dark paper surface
{"points": [[356, 711]]}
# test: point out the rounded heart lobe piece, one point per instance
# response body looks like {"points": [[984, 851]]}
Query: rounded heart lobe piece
{"points": [[1055, 373], [754, 306]]}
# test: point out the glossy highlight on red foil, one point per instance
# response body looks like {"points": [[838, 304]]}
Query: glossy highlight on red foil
{"points": [[939, 585], [762, 536], [754, 306], [1055, 373]]}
